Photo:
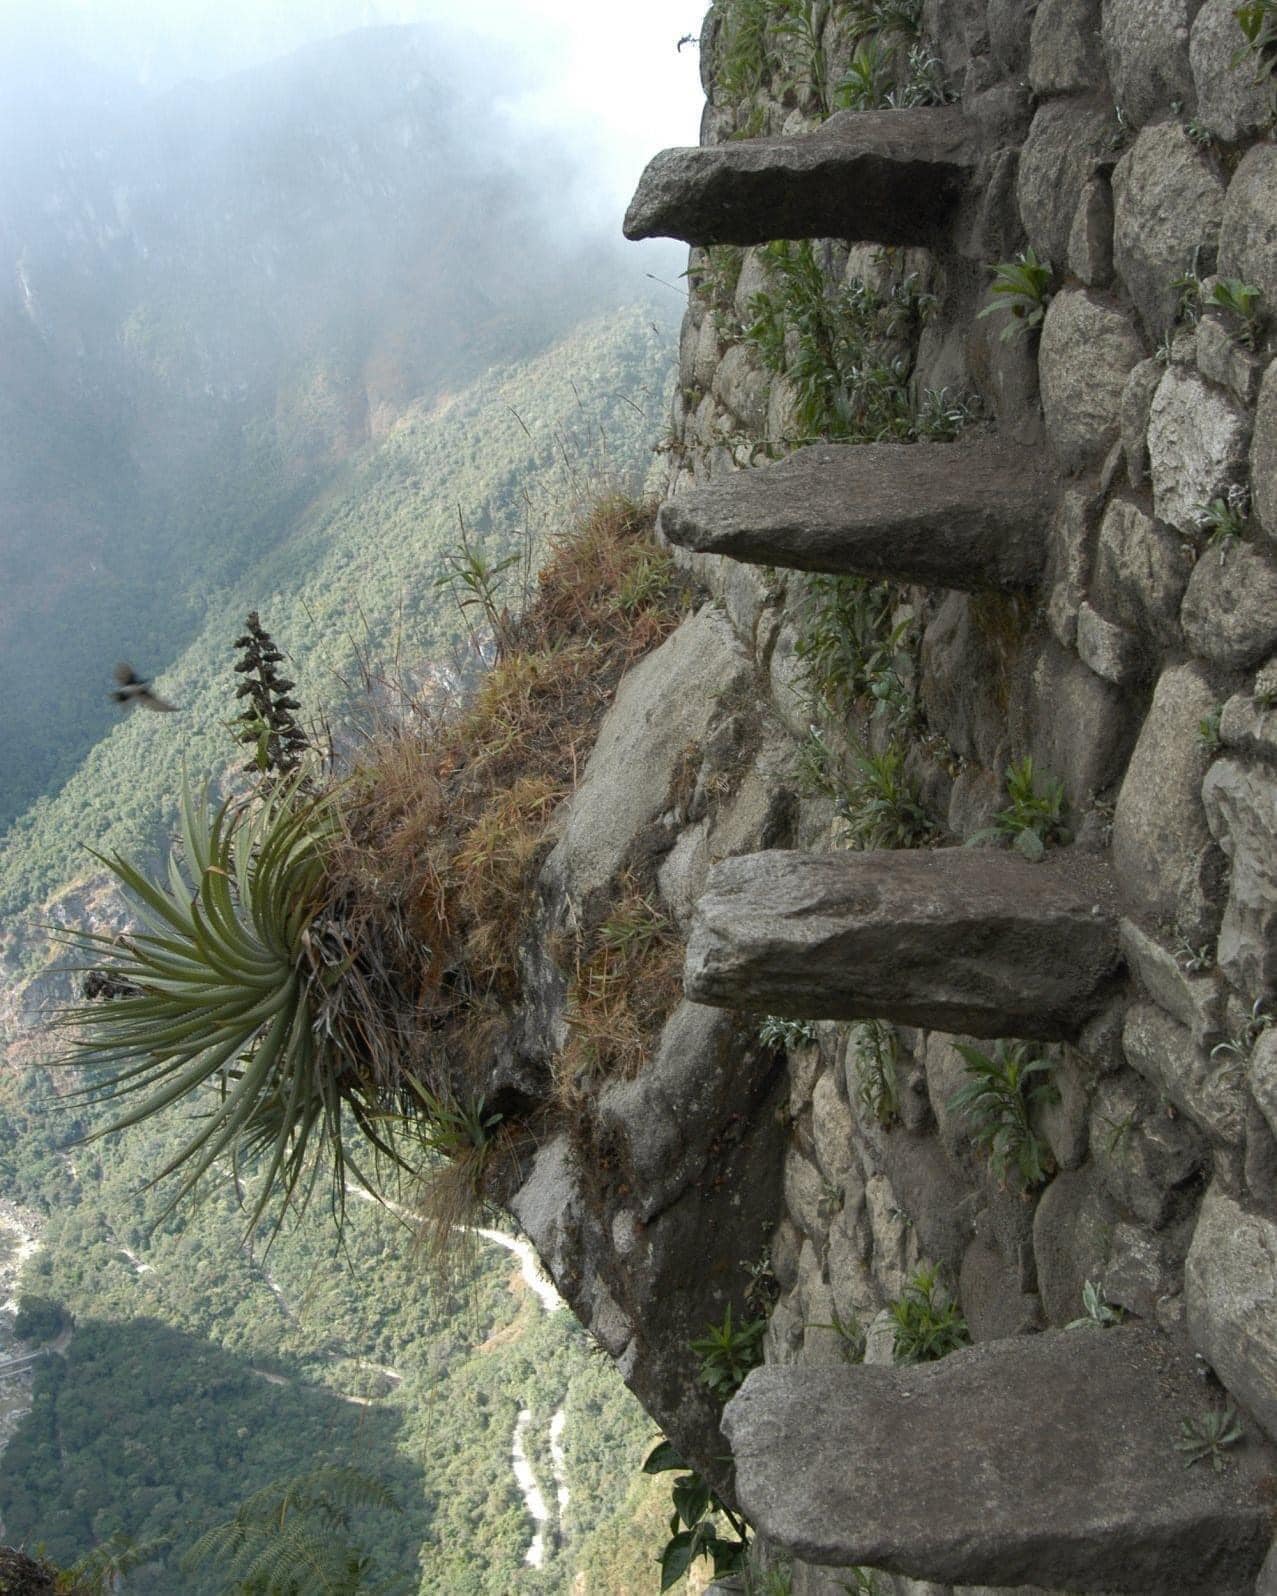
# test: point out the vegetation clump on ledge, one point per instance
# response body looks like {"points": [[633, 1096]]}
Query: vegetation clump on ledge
{"points": [[336, 952]]}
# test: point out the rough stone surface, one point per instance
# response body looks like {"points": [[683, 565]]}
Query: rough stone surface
{"points": [[1263, 1077], [961, 667], [992, 1302], [1195, 1000], [1248, 235], [1161, 846], [1241, 809], [979, 942], [661, 709], [1064, 47], [889, 176], [1263, 455], [1136, 403], [1076, 726], [1232, 1306], [1164, 1053], [1088, 349], [659, 1118], [1146, 48], [1197, 442], [1090, 257], [1168, 200], [1230, 609], [1223, 360], [1069, 562], [742, 386], [1142, 569], [1111, 651], [1148, 1161], [1072, 1239], [963, 515], [1066, 138], [1231, 102], [1247, 726], [1145, 1272], [986, 1467]]}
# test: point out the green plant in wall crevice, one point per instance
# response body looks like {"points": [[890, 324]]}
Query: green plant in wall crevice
{"points": [[997, 1101], [1035, 816], [1020, 287], [728, 1352], [927, 1322]]}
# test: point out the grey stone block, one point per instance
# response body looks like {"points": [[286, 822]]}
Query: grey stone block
{"points": [[892, 177], [1087, 352], [977, 941], [1230, 608], [1241, 809], [1142, 568], [1197, 443], [1232, 1308], [1232, 100], [1248, 234], [964, 515], [987, 1467], [1146, 48], [1164, 1053], [1168, 203], [1166, 867]]}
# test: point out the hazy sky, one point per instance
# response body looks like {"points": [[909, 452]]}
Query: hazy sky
{"points": [[606, 70]]}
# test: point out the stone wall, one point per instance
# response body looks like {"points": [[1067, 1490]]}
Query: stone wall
{"points": [[1128, 149]]}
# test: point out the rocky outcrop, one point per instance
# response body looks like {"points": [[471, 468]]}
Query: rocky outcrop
{"points": [[971, 941], [1050, 1458], [966, 515], [890, 176]]}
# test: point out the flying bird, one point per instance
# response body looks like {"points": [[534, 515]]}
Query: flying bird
{"points": [[135, 689]]}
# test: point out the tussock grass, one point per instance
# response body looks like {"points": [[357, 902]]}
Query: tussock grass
{"points": [[448, 814], [627, 978]]}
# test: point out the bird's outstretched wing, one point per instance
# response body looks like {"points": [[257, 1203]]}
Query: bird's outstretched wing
{"points": [[135, 689]]}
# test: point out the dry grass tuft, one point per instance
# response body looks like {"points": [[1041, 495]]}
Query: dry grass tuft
{"points": [[448, 814], [627, 978]]}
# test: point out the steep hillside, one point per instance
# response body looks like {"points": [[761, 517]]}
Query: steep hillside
{"points": [[352, 580], [214, 301]]}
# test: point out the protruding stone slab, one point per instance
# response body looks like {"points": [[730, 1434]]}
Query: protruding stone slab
{"points": [[1047, 1459], [974, 941], [889, 177], [973, 516]]}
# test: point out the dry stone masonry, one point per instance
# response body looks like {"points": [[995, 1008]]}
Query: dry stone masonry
{"points": [[1065, 589]]}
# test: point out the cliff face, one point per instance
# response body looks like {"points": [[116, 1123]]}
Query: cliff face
{"points": [[1058, 547]]}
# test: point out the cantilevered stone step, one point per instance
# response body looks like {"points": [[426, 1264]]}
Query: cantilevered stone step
{"points": [[973, 940], [890, 177], [1048, 1460], [968, 515]]}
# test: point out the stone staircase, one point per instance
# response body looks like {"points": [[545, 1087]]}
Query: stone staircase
{"points": [[1049, 1458]]}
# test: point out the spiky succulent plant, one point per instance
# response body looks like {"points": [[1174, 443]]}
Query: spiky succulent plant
{"points": [[237, 994]]}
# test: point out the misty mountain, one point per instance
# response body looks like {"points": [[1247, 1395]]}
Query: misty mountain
{"points": [[211, 301]]}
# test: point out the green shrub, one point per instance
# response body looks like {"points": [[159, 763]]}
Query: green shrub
{"points": [[928, 1323], [996, 1103], [1035, 816], [1022, 287], [693, 1524], [882, 805], [728, 1352]]}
